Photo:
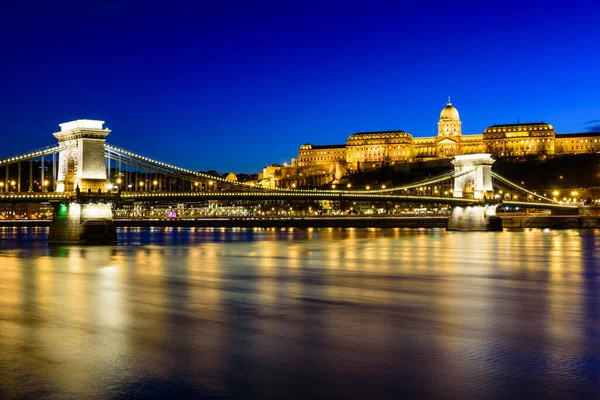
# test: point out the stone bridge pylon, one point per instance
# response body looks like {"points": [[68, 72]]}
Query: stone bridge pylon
{"points": [[86, 218], [474, 176], [81, 160], [474, 179]]}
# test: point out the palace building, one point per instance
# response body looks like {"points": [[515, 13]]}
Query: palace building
{"points": [[321, 164], [371, 149]]}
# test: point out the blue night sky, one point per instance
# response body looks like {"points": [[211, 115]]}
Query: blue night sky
{"points": [[232, 86]]}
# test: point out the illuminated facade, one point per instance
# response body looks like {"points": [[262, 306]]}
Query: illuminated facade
{"points": [[389, 147], [81, 159]]}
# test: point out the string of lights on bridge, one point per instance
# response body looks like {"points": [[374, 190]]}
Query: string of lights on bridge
{"points": [[420, 184], [32, 155], [382, 193]]}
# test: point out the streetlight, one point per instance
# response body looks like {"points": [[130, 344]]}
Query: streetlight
{"points": [[383, 186], [293, 185], [13, 183], [44, 184], [141, 185], [368, 187], [154, 183], [349, 185]]}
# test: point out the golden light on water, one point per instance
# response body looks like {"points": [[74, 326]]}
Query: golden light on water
{"points": [[193, 304]]}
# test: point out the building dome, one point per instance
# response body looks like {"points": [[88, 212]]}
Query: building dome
{"points": [[449, 112]]}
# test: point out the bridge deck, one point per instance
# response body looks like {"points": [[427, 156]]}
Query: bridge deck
{"points": [[266, 195]]}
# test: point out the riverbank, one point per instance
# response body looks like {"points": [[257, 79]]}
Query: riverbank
{"points": [[508, 222], [551, 222]]}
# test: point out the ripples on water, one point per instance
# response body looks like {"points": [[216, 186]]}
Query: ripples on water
{"points": [[327, 313]]}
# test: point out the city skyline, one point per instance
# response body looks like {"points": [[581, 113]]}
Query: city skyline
{"points": [[233, 89]]}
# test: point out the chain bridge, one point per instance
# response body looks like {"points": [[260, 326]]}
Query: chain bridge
{"points": [[84, 178]]}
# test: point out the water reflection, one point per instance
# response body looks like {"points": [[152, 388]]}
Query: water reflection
{"points": [[316, 313]]}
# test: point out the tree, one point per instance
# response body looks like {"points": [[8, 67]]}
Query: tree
{"points": [[559, 148]]}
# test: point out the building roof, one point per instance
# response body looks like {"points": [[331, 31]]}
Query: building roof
{"points": [[518, 124], [573, 135], [329, 146], [379, 135], [449, 112], [520, 127], [308, 146], [378, 132]]}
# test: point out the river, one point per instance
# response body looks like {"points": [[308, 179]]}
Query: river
{"points": [[301, 314]]}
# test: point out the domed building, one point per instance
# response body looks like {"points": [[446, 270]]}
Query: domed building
{"points": [[449, 140], [449, 132], [449, 123], [372, 149]]}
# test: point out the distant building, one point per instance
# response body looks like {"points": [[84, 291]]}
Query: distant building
{"points": [[321, 164], [389, 147], [231, 177]]}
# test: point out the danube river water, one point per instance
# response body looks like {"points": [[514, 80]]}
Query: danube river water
{"points": [[302, 314]]}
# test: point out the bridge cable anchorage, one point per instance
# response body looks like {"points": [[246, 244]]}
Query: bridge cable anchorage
{"points": [[510, 183]]}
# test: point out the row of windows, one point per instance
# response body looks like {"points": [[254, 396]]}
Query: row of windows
{"points": [[583, 141], [523, 141], [520, 146], [587, 147], [329, 158], [519, 128]]}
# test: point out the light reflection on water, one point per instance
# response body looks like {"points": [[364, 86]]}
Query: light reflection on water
{"points": [[315, 313]]}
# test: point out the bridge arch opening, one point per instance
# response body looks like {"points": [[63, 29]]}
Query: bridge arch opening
{"points": [[468, 187], [70, 175]]}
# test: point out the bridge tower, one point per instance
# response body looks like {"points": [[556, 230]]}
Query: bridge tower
{"points": [[474, 179], [86, 218], [81, 160], [474, 175]]}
